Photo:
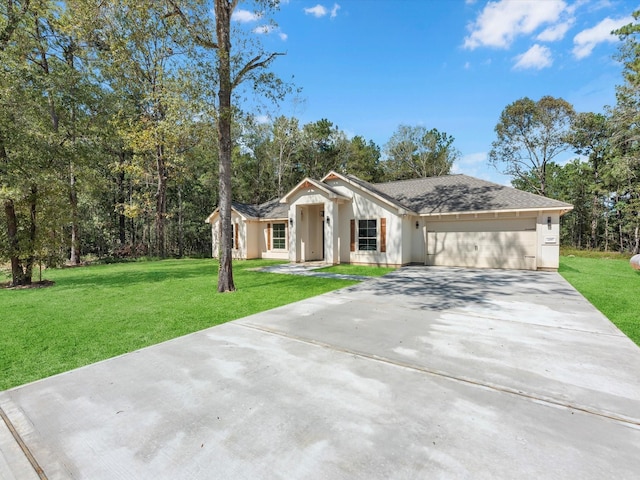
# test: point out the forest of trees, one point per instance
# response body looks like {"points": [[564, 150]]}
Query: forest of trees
{"points": [[108, 133], [109, 141], [602, 181]]}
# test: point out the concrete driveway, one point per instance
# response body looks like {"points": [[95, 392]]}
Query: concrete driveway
{"points": [[425, 373]]}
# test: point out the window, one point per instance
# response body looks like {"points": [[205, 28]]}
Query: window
{"points": [[279, 236], [368, 235], [233, 237]]}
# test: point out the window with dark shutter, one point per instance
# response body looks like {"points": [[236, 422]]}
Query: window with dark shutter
{"points": [[368, 235]]}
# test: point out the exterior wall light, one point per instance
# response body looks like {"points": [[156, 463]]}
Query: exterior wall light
{"points": [[328, 221], [549, 223], [291, 221], [417, 224]]}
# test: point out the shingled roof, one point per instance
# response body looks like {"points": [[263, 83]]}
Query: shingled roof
{"points": [[458, 194], [428, 196], [267, 210]]}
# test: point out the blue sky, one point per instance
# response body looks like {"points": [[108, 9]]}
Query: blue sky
{"points": [[371, 65]]}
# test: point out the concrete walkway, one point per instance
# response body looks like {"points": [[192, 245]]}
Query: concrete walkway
{"points": [[310, 269], [423, 373]]}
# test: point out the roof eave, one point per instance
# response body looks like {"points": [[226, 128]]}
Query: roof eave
{"points": [[209, 219], [308, 183], [400, 210], [561, 209]]}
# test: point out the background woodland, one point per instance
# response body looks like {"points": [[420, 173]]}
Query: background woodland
{"points": [[108, 144]]}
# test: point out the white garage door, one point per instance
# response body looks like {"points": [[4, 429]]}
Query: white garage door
{"points": [[483, 243]]}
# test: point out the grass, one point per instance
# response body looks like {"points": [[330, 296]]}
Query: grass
{"points": [[610, 284], [569, 252], [97, 312], [363, 270]]}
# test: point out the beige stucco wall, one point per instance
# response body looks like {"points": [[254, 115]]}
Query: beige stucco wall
{"points": [[524, 240], [265, 250], [242, 249], [548, 241], [367, 207], [252, 238]]}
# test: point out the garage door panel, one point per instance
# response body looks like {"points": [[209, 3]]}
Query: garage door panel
{"points": [[505, 244]]}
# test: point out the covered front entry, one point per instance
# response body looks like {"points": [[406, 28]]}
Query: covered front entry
{"points": [[314, 222], [483, 244], [310, 235]]}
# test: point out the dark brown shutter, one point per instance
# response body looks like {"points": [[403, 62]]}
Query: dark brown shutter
{"points": [[268, 236], [236, 234], [353, 235], [383, 234]]}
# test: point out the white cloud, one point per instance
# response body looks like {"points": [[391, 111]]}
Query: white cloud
{"points": [[537, 57], [500, 22], [317, 11], [585, 41], [264, 29], [321, 11], [472, 159], [475, 164], [245, 16], [555, 32], [269, 29]]}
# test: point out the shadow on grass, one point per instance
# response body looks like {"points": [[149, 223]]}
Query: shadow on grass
{"points": [[128, 274], [153, 272], [566, 268]]}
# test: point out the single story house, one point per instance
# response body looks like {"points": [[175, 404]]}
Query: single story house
{"points": [[452, 220]]}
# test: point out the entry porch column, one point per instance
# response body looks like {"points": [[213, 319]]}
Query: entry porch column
{"points": [[331, 233]]}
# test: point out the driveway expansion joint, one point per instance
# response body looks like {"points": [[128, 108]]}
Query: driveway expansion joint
{"points": [[23, 446], [543, 325], [541, 399]]}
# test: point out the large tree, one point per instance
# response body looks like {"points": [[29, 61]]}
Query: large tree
{"points": [[233, 67], [38, 131], [624, 173], [530, 135], [417, 152], [590, 137], [363, 160]]}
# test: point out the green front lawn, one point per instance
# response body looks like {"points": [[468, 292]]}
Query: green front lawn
{"points": [[611, 285], [97, 312]]}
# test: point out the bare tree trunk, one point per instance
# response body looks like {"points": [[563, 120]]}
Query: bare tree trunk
{"points": [[594, 223], [180, 225], [161, 202], [620, 234], [121, 199], [30, 260], [17, 273], [223, 11], [74, 258]]}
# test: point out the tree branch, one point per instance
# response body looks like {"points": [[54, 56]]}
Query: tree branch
{"points": [[13, 20], [199, 39], [253, 64]]}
